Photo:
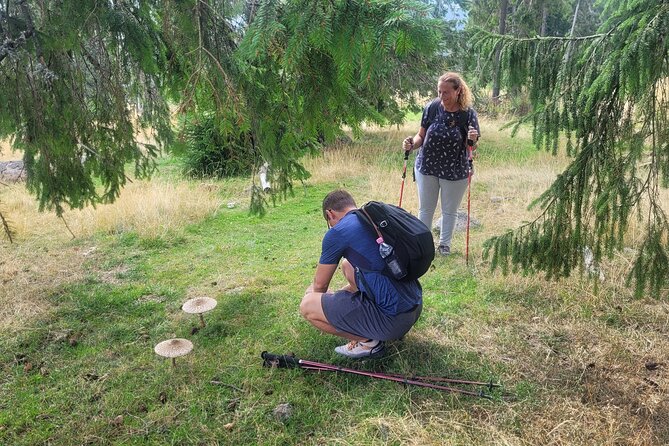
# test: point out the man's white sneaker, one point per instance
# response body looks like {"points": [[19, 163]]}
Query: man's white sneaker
{"points": [[359, 349]]}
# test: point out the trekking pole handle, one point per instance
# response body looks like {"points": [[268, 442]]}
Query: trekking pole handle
{"points": [[470, 153], [404, 171], [279, 361], [408, 140], [471, 143]]}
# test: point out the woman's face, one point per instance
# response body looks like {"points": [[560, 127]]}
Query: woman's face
{"points": [[447, 93]]}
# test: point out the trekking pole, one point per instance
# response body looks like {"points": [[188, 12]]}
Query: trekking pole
{"points": [[470, 165], [404, 174], [490, 384], [284, 361]]}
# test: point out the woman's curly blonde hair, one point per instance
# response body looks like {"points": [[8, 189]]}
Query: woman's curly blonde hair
{"points": [[465, 95]]}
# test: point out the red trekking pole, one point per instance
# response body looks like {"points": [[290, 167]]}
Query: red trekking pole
{"points": [[404, 174], [290, 361], [470, 162]]}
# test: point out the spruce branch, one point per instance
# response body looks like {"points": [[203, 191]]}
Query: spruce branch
{"points": [[6, 228], [68, 227], [611, 98]]}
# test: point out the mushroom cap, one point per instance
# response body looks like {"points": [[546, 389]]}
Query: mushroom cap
{"points": [[199, 305], [174, 347]]}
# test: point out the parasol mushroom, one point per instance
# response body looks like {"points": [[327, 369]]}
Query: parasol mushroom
{"points": [[198, 306], [173, 348]]}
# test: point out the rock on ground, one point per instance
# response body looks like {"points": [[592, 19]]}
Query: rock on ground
{"points": [[12, 171], [460, 223]]}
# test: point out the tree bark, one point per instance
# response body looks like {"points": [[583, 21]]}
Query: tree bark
{"points": [[567, 54], [498, 52]]}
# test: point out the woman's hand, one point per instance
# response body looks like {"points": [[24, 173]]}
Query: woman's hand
{"points": [[473, 134], [407, 144]]}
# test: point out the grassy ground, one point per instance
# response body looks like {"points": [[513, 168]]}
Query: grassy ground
{"points": [[80, 318]]}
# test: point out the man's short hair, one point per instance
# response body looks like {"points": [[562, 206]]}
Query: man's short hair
{"points": [[338, 200]]}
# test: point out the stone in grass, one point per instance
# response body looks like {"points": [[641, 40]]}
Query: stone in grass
{"points": [[460, 223], [384, 431], [12, 171], [283, 412]]}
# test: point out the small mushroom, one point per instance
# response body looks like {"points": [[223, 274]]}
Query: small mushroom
{"points": [[198, 306], [173, 348]]}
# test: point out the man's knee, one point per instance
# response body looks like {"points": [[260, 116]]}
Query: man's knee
{"points": [[307, 305]]}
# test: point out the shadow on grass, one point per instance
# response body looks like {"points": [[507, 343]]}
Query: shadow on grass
{"points": [[409, 357]]}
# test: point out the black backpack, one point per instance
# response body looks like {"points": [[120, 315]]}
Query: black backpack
{"points": [[433, 111], [410, 238]]}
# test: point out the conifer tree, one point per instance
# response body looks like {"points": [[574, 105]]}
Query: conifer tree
{"points": [[608, 95], [311, 67], [80, 78], [70, 72]]}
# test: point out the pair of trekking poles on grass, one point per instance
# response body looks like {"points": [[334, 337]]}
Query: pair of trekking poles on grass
{"points": [[470, 169], [290, 361]]}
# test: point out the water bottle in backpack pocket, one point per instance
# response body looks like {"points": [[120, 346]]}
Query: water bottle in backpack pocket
{"points": [[388, 254], [405, 243]]}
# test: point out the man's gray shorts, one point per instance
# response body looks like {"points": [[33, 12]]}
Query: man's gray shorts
{"points": [[357, 314]]}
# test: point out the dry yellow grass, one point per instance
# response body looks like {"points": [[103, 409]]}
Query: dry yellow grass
{"points": [[42, 259], [6, 153], [146, 207]]}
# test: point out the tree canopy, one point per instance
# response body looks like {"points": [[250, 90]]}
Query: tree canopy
{"points": [[80, 79], [70, 73], [608, 94]]}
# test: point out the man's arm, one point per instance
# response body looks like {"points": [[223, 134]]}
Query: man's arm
{"points": [[323, 277]]}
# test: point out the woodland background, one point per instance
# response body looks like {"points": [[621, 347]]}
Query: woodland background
{"points": [[142, 126]]}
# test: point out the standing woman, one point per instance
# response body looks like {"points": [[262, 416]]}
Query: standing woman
{"points": [[442, 164]]}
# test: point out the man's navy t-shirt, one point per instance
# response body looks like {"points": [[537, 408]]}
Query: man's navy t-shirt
{"points": [[352, 239]]}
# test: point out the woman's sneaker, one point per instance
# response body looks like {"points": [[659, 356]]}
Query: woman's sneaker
{"points": [[359, 349], [444, 250]]}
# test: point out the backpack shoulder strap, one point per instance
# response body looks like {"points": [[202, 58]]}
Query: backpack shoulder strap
{"points": [[362, 211], [433, 110], [463, 123]]}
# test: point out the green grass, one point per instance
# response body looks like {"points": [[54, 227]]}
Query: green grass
{"points": [[87, 372], [257, 269]]}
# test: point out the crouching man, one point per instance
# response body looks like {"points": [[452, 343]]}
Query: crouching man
{"points": [[373, 307]]}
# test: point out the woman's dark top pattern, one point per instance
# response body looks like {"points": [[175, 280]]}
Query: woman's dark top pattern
{"points": [[444, 150]]}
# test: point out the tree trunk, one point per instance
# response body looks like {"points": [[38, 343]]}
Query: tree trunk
{"points": [[567, 54], [498, 52], [573, 22]]}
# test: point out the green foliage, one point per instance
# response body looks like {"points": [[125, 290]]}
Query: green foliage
{"points": [[7, 229], [79, 79], [606, 93], [213, 149], [310, 68], [69, 72], [524, 20]]}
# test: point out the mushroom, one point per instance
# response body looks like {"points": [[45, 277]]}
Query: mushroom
{"points": [[173, 348], [198, 306]]}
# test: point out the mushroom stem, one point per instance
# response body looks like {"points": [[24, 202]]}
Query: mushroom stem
{"points": [[202, 324], [174, 362]]}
